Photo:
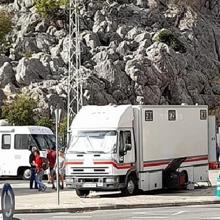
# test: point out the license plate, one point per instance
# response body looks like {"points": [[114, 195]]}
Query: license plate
{"points": [[89, 185]]}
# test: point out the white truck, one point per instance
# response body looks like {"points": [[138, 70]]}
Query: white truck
{"points": [[212, 149], [132, 148], [14, 148]]}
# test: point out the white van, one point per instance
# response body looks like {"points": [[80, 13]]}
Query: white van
{"points": [[14, 148]]}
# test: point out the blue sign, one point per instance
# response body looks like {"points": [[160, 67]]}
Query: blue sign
{"points": [[7, 202]]}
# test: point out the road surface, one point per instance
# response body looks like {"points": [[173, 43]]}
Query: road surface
{"points": [[210, 212]]}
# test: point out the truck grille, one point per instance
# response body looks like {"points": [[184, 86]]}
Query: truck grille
{"points": [[89, 170]]}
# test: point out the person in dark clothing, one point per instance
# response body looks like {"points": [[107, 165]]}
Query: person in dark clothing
{"points": [[33, 168]]}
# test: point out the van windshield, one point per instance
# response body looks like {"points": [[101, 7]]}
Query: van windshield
{"points": [[41, 141], [93, 142]]}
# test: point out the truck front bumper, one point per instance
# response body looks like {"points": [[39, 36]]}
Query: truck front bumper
{"points": [[98, 183]]}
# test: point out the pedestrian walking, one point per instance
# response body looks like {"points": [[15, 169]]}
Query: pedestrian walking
{"points": [[33, 168], [61, 171], [39, 170], [51, 156]]}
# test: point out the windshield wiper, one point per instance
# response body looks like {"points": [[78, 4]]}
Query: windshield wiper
{"points": [[95, 151], [78, 152]]}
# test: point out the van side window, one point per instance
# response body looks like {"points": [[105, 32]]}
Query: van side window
{"points": [[6, 141], [22, 141]]}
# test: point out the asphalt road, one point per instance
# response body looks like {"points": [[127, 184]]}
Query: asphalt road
{"points": [[22, 187], [210, 212]]}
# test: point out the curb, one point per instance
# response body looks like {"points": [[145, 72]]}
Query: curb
{"points": [[110, 207]]}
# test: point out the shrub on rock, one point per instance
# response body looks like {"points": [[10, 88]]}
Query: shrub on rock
{"points": [[169, 38], [5, 28], [20, 111]]}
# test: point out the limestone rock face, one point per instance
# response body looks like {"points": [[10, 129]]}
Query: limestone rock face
{"points": [[31, 70], [138, 52], [7, 74]]}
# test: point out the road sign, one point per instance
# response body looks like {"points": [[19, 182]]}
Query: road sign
{"points": [[7, 202]]}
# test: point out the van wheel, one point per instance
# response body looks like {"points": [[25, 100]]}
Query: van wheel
{"points": [[131, 187], [26, 174], [82, 193]]}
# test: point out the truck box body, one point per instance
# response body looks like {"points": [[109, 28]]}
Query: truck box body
{"points": [[212, 147], [163, 139], [149, 145]]}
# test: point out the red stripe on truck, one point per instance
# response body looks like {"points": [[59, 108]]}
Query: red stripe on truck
{"points": [[146, 164], [156, 163], [73, 163], [192, 159], [114, 164], [166, 162]]}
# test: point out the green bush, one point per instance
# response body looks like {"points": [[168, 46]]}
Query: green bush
{"points": [[20, 111], [49, 8], [5, 24], [46, 122], [167, 37], [64, 3]]}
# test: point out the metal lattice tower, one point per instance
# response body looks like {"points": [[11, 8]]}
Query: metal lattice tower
{"points": [[75, 99]]}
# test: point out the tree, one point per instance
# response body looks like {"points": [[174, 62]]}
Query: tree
{"points": [[63, 130], [20, 111], [45, 122]]}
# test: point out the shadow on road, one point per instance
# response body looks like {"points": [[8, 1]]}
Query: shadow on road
{"points": [[198, 191]]}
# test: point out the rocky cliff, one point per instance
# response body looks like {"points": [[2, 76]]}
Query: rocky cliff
{"points": [[133, 51]]}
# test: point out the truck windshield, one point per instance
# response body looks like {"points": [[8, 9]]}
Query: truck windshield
{"points": [[41, 141], [93, 142]]}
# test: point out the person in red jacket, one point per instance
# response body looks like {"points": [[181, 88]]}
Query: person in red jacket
{"points": [[39, 171], [51, 156]]}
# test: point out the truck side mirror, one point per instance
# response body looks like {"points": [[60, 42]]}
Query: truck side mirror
{"points": [[128, 147]]}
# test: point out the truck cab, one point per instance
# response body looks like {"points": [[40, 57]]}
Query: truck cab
{"points": [[101, 152]]}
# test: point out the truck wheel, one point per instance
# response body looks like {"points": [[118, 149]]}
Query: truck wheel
{"points": [[131, 187], [26, 174], [82, 193]]}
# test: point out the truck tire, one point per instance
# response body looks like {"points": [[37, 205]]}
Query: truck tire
{"points": [[131, 186], [82, 193], [26, 174]]}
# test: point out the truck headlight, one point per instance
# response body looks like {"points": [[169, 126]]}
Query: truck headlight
{"points": [[111, 180], [68, 180]]}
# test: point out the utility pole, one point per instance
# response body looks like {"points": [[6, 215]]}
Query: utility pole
{"points": [[75, 99], [57, 117]]}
